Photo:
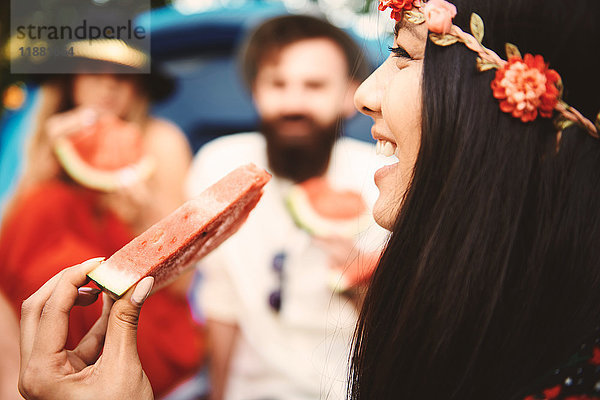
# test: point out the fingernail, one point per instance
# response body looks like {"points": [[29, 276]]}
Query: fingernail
{"points": [[91, 261], [91, 264], [142, 290], [89, 291]]}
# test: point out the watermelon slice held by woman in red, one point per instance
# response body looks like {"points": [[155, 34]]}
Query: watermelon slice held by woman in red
{"points": [[105, 156]]}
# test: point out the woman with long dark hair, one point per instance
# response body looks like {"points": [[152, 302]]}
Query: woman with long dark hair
{"points": [[489, 287], [491, 277]]}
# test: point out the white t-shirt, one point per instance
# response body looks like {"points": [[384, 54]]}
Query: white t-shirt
{"points": [[301, 352]]}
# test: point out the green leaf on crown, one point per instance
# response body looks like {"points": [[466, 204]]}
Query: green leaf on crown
{"points": [[564, 104], [477, 28], [414, 17], [561, 123], [512, 51], [443, 40], [484, 65]]}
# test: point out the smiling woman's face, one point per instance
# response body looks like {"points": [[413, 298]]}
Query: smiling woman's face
{"points": [[392, 97]]}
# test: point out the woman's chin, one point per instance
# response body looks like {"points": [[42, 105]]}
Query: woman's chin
{"points": [[383, 214]]}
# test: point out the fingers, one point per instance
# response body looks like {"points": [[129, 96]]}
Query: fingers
{"points": [[121, 335], [341, 250], [32, 310], [30, 316], [70, 122], [53, 327], [88, 349], [136, 192], [335, 243], [87, 296]]}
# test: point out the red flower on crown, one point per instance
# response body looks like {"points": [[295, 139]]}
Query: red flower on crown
{"points": [[398, 7], [526, 87]]}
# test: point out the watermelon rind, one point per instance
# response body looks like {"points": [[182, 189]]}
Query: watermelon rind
{"points": [[94, 178], [116, 281], [305, 217], [338, 283]]}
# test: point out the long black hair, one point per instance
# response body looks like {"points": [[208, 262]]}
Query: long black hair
{"points": [[491, 277]]}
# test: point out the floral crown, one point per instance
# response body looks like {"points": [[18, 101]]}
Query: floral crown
{"points": [[525, 86]]}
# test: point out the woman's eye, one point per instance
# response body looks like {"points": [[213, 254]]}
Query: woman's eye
{"points": [[399, 52]]}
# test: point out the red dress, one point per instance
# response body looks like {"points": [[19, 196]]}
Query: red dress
{"points": [[57, 225]]}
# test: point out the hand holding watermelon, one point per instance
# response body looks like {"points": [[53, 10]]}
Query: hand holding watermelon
{"points": [[70, 122], [106, 362], [340, 250], [130, 202], [50, 371], [334, 217], [105, 153], [350, 267]]}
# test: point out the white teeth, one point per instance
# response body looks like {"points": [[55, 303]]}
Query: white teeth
{"points": [[386, 148]]}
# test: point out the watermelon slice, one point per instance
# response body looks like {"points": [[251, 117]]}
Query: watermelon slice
{"points": [[176, 242], [105, 156], [323, 211]]}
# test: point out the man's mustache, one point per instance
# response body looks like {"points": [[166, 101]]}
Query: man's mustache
{"points": [[294, 118]]}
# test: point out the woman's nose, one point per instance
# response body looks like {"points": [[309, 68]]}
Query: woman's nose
{"points": [[367, 98], [108, 81]]}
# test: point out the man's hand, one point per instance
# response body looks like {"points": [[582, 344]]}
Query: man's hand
{"points": [[50, 371], [341, 251], [351, 268]]}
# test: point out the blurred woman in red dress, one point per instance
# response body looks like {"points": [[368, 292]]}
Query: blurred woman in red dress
{"points": [[57, 218]]}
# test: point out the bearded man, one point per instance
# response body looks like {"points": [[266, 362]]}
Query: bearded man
{"points": [[277, 330]]}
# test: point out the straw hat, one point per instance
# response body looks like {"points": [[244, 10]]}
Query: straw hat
{"points": [[113, 56]]}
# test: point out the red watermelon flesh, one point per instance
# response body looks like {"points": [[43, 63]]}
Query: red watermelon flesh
{"points": [[106, 156], [325, 211], [331, 203], [176, 242], [109, 144]]}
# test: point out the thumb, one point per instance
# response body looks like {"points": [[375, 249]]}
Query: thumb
{"points": [[121, 334]]}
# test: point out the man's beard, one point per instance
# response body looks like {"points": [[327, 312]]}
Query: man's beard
{"points": [[301, 156]]}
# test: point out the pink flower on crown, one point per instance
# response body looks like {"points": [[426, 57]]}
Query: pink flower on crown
{"points": [[526, 87], [398, 7], [438, 15]]}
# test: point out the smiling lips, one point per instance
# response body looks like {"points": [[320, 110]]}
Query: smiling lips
{"points": [[386, 148]]}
